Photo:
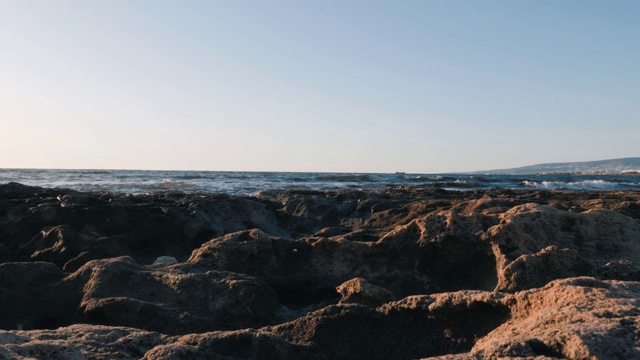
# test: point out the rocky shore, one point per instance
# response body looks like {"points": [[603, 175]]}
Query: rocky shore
{"points": [[404, 273]]}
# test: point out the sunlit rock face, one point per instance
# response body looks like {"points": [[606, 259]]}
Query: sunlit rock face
{"points": [[401, 273]]}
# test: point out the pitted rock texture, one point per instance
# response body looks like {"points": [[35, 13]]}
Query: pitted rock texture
{"points": [[577, 318], [535, 244], [314, 275], [359, 291], [174, 299]]}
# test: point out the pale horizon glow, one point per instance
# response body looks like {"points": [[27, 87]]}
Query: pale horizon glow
{"points": [[357, 86]]}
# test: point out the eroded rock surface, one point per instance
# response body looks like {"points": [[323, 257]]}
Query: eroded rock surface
{"points": [[359, 291], [314, 275], [174, 299], [535, 244], [578, 318]]}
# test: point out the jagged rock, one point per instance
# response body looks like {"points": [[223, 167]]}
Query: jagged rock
{"points": [[332, 231], [359, 291], [241, 344], [95, 342], [306, 212], [417, 326], [173, 299], [532, 271], [91, 342], [279, 257], [96, 225], [620, 270], [304, 269], [70, 249], [403, 261], [442, 245], [573, 318], [587, 242], [578, 318]]}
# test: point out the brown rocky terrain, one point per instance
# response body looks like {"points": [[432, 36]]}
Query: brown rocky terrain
{"points": [[404, 273]]}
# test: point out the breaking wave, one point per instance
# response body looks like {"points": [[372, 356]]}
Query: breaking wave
{"points": [[250, 183], [575, 185]]}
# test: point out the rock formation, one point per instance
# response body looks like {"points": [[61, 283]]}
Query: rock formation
{"points": [[403, 273]]}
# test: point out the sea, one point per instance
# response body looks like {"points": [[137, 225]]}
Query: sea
{"points": [[252, 183]]}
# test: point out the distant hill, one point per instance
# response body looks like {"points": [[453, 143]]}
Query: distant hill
{"points": [[601, 167]]}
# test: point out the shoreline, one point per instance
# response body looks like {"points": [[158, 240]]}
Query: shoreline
{"points": [[250, 183], [320, 274]]}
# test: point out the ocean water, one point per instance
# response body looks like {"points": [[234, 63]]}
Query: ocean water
{"points": [[251, 183]]}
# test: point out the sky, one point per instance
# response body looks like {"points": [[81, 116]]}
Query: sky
{"points": [[345, 86]]}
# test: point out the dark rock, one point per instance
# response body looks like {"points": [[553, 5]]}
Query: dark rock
{"points": [[29, 297], [532, 271], [274, 261], [620, 270], [306, 212], [241, 344], [69, 249], [415, 327], [405, 261], [173, 299]]}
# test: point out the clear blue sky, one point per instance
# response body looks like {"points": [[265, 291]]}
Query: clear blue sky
{"points": [[353, 86]]}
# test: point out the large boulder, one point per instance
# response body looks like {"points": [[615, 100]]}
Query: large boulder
{"points": [[173, 299], [417, 326], [535, 244], [427, 255], [578, 318]]}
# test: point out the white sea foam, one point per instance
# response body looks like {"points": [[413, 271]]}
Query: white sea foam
{"points": [[575, 185], [250, 183]]}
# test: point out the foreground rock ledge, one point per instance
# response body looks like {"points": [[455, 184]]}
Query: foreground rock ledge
{"points": [[577, 318], [404, 273]]}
